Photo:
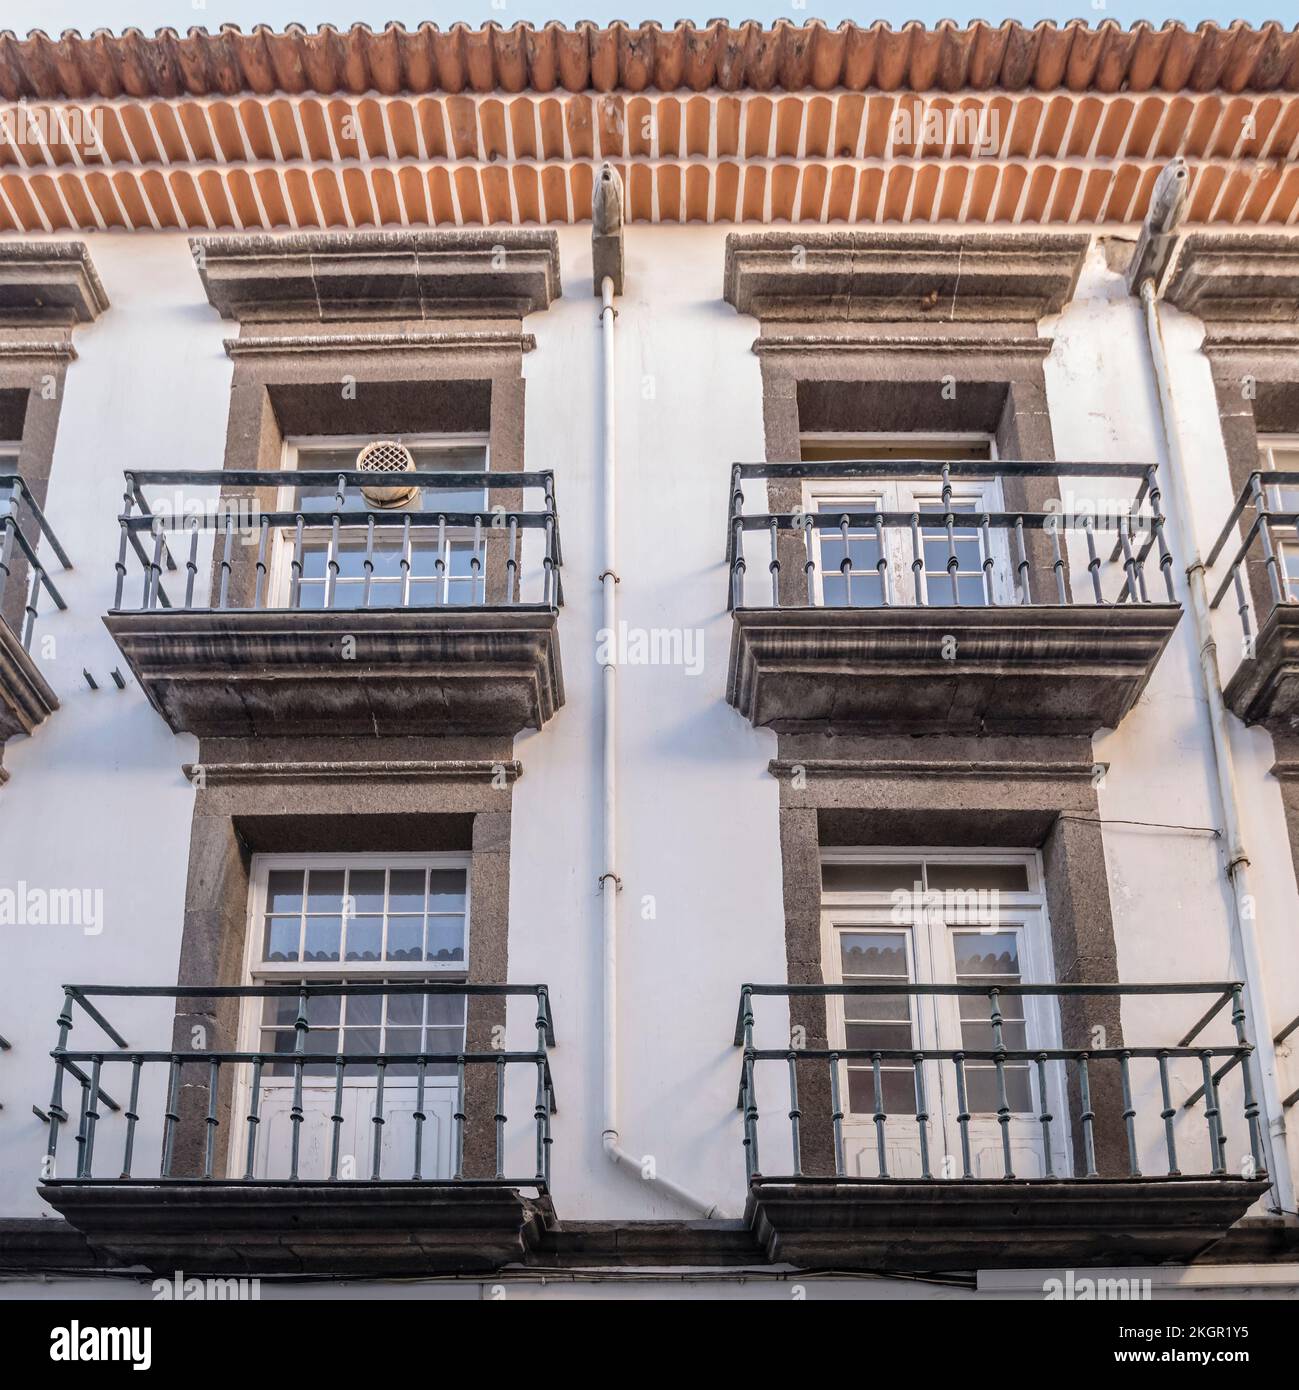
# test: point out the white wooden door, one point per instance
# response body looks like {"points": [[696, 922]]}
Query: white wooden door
{"points": [[877, 946], [357, 1131]]}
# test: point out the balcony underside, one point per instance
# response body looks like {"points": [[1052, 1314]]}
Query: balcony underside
{"points": [[346, 672], [990, 1224], [309, 1228], [1265, 687], [26, 701], [1027, 670]]}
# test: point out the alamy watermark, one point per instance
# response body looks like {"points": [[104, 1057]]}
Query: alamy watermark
{"points": [[922, 126], [653, 646], [25, 906], [959, 907], [53, 127]]}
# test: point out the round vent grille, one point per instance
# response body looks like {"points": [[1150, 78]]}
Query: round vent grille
{"points": [[386, 456]]}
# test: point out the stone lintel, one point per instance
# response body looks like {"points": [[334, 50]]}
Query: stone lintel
{"points": [[891, 276], [323, 276]]}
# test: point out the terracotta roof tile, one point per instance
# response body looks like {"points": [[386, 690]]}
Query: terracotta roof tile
{"points": [[638, 57]]}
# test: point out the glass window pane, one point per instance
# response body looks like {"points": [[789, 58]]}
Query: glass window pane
{"points": [[446, 938], [981, 1089], [323, 937], [325, 890], [990, 953], [281, 941], [405, 1010], [365, 889], [878, 1035], [876, 953], [446, 1010], [284, 890], [406, 890], [364, 1010], [405, 938], [897, 1091], [869, 878], [446, 890], [1010, 878], [364, 938]]}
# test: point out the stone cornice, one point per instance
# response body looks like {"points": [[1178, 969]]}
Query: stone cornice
{"points": [[275, 345], [33, 349], [342, 770], [899, 277], [414, 275], [48, 282], [1019, 770], [932, 343], [1237, 277]]}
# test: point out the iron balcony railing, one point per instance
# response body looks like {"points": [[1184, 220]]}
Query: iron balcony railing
{"points": [[341, 552], [1056, 1071], [234, 1089], [19, 501], [1260, 542], [943, 541]]}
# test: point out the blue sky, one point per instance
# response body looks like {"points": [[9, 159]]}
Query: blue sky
{"points": [[86, 15]]}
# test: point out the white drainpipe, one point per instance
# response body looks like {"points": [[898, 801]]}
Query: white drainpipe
{"points": [[1245, 937], [644, 1168]]}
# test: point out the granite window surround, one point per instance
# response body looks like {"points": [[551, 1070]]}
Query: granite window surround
{"points": [[894, 333]]}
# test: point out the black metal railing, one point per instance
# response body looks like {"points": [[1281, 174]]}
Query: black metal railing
{"points": [[1056, 1072], [988, 574], [339, 552], [233, 1087], [19, 504], [1260, 542]]}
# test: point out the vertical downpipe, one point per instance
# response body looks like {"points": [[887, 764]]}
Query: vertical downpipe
{"points": [[607, 220]]}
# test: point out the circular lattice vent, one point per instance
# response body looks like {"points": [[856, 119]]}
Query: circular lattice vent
{"points": [[386, 456]]}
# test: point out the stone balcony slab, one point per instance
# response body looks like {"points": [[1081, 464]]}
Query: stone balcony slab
{"points": [[239, 673], [1002, 670]]}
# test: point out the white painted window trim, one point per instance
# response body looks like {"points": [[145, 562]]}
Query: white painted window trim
{"points": [[867, 494], [291, 461], [257, 970]]}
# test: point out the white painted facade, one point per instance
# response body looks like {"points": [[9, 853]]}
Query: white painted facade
{"points": [[96, 799]]}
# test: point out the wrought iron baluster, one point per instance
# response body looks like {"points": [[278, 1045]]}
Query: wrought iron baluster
{"points": [[1275, 570], [254, 1118], [191, 564], [1003, 1100], [879, 1117], [922, 1114], [845, 565], [1057, 564], [171, 1116], [132, 1116], [1129, 1112], [381, 1065], [795, 1114], [92, 1117], [512, 595], [336, 1120], [1247, 1081], [738, 567], [458, 1119], [1088, 1116], [918, 579], [882, 563], [1157, 525], [153, 574], [295, 564], [367, 564], [300, 1029], [1212, 1113], [476, 564], [1044, 1116], [989, 593], [260, 571], [1093, 559], [750, 1095], [1168, 1114], [774, 566], [212, 1120], [1025, 586], [419, 1117], [809, 561], [963, 1114], [836, 1115], [499, 1117], [30, 607], [226, 562]]}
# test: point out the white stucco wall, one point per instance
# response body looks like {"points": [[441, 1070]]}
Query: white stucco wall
{"points": [[97, 798]]}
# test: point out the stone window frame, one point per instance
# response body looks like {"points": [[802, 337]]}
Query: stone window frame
{"points": [[341, 327], [846, 343], [46, 290]]}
